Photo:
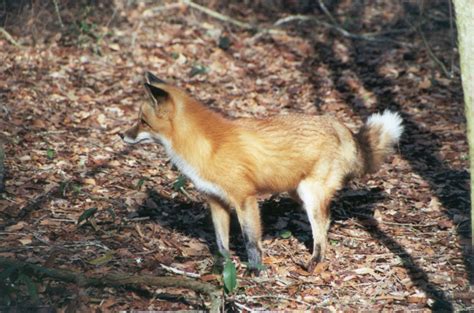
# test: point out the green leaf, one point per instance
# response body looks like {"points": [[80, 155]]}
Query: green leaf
{"points": [[50, 153], [224, 42], [76, 188], [30, 286], [140, 183], [285, 234], [86, 215], [174, 55], [198, 69], [229, 276], [179, 183], [63, 187], [102, 259], [112, 213]]}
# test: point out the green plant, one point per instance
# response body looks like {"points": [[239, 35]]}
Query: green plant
{"points": [[13, 281], [229, 276]]}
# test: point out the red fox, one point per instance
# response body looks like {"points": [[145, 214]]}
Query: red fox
{"points": [[233, 161]]}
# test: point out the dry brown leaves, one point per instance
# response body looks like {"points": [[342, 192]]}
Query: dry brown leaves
{"points": [[397, 236]]}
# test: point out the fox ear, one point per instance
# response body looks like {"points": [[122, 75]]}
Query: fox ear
{"points": [[152, 79], [156, 94]]}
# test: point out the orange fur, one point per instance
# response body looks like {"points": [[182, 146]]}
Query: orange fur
{"points": [[235, 160]]}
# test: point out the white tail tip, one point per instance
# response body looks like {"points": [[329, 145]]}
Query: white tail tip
{"points": [[389, 121]]}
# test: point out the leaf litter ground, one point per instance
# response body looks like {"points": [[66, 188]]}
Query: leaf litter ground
{"points": [[398, 237]]}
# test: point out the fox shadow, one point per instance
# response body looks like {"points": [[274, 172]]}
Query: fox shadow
{"points": [[192, 219]]}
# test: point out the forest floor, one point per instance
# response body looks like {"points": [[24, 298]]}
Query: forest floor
{"points": [[398, 238]]}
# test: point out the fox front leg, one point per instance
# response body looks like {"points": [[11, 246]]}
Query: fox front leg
{"points": [[221, 220]]}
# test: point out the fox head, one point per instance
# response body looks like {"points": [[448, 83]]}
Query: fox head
{"points": [[155, 116]]}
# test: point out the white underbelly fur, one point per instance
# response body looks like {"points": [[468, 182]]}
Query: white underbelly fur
{"points": [[192, 173]]}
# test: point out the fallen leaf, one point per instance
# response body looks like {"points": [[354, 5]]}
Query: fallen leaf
{"points": [[16, 227], [425, 83]]}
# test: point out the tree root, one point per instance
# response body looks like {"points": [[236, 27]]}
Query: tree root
{"points": [[117, 280]]}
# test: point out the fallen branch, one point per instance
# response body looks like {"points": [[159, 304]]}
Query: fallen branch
{"points": [[340, 30], [118, 280], [433, 56], [9, 37]]}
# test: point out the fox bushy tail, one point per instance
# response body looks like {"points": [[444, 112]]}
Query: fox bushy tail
{"points": [[377, 139]]}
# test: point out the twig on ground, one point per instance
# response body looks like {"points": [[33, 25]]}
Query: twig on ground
{"points": [[433, 56], [243, 307], [293, 18], [179, 272], [160, 8], [56, 8], [279, 298], [328, 14], [218, 15], [57, 246], [51, 132], [193, 199], [409, 225], [134, 35], [36, 203], [114, 13], [118, 280], [9, 37]]}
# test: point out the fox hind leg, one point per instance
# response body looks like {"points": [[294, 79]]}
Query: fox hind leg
{"points": [[295, 197], [316, 196]]}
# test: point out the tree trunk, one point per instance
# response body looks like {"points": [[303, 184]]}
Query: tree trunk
{"points": [[465, 25]]}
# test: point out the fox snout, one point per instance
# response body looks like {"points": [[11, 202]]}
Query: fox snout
{"points": [[135, 135]]}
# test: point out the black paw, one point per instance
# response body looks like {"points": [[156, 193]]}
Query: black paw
{"points": [[255, 269]]}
